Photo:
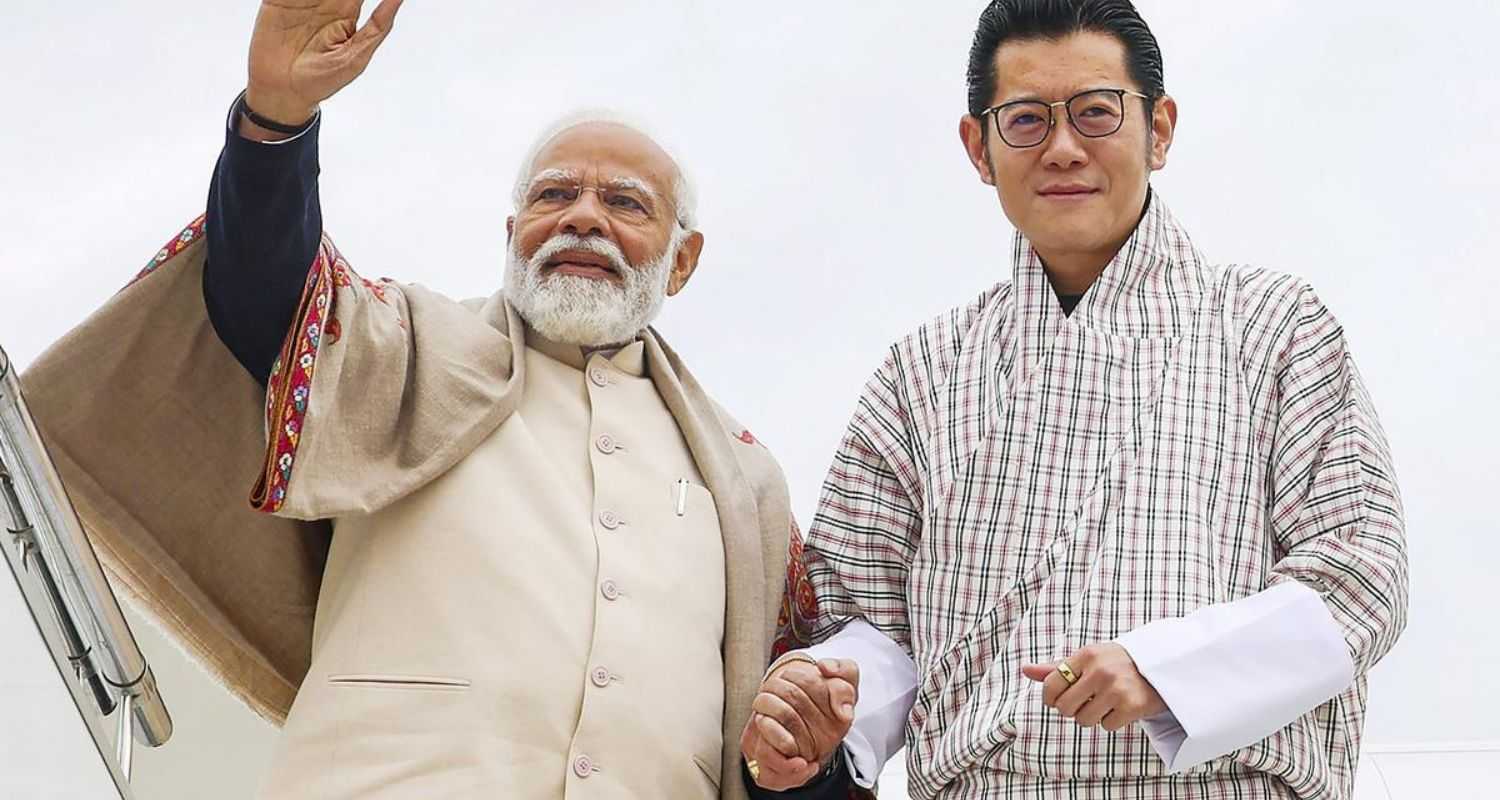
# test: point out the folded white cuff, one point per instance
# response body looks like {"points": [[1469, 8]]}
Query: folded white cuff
{"points": [[1234, 673], [887, 690]]}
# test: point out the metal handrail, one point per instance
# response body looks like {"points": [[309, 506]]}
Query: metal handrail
{"points": [[103, 649]]}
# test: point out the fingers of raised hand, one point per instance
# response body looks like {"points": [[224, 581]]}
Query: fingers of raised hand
{"points": [[384, 14], [378, 26]]}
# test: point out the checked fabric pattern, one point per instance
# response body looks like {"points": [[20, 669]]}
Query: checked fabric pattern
{"points": [[1016, 484]]}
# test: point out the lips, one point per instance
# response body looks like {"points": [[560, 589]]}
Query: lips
{"points": [[578, 262], [1067, 191]]}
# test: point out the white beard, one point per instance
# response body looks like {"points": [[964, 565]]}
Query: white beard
{"points": [[588, 312]]}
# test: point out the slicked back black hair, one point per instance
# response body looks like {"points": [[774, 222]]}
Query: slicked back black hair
{"points": [[1008, 20]]}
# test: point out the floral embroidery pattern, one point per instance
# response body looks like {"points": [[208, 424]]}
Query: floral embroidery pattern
{"points": [[376, 288], [289, 390], [192, 233], [799, 607], [344, 277]]}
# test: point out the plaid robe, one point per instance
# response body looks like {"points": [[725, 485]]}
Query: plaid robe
{"points": [[1016, 484]]}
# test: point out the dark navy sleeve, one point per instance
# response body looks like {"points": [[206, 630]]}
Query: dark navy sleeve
{"points": [[823, 787], [264, 225]]}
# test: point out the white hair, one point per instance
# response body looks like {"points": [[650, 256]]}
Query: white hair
{"points": [[684, 197]]}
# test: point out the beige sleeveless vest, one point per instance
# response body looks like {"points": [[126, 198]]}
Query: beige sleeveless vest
{"points": [[539, 622]]}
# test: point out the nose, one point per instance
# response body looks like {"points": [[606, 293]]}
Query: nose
{"points": [[1064, 148], [585, 216]]}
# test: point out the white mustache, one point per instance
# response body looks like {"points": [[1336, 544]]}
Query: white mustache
{"points": [[597, 245], [577, 310]]}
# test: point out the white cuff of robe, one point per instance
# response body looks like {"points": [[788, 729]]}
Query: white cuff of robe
{"points": [[887, 690], [1234, 673]]}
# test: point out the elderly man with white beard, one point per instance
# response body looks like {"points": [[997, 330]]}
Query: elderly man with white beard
{"points": [[505, 547]]}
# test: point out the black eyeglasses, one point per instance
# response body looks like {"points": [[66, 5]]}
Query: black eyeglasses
{"points": [[1095, 114]]}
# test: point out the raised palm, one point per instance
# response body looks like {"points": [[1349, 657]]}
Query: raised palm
{"points": [[305, 51]]}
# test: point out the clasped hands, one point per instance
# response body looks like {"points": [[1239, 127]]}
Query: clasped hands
{"points": [[804, 710], [798, 720]]}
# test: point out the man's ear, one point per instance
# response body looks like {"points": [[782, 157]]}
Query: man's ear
{"points": [[686, 263], [971, 130], [1163, 127], [510, 229]]}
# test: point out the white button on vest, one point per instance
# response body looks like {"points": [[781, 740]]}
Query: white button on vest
{"points": [[583, 766], [611, 591], [601, 677], [610, 520], [606, 444]]}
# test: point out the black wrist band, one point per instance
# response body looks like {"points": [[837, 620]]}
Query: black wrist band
{"points": [[271, 124]]}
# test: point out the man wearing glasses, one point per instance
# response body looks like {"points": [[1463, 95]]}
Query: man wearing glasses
{"points": [[1126, 526]]}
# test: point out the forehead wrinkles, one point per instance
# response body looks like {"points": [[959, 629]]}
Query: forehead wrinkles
{"points": [[605, 147], [608, 179], [616, 143]]}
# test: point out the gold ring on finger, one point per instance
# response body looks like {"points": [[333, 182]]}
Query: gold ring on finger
{"points": [[753, 767], [1067, 672]]}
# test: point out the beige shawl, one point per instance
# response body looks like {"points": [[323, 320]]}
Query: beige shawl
{"points": [[159, 434]]}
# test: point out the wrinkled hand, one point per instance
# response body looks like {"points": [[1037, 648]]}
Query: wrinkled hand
{"points": [[1110, 691], [799, 719], [304, 51]]}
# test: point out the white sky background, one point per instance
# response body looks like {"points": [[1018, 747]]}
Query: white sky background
{"points": [[1350, 142]]}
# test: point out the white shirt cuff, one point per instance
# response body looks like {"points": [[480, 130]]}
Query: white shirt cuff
{"points": [[887, 690], [1234, 673]]}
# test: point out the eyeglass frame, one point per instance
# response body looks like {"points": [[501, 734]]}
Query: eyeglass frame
{"points": [[993, 112], [565, 179]]}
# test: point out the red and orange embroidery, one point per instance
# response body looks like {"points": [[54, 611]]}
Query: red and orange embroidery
{"points": [[192, 233], [289, 390]]}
